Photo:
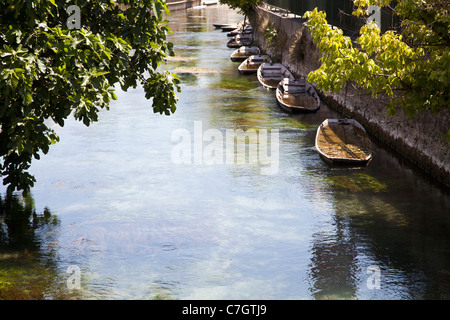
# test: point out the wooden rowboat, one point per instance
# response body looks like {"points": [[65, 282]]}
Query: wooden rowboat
{"points": [[297, 95], [220, 25], [240, 29], [244, 52], [230, 27], [270, 74], [242, 39], [343, 141], [252, 63]]}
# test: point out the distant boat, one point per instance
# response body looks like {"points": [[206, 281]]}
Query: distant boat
{"points": [[242, 39], [240, 29], [229, 28], [244, 52], [202, 6], [270, 74], [297, 95], [343, 141], [252, 63], [220, 25]]}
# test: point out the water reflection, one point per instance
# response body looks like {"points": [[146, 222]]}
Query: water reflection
{"points": [[386, 215], [140, 226], [28, 261], [334, 263]]}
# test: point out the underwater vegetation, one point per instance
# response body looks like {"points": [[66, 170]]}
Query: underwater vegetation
{"points": [[357, 182]]}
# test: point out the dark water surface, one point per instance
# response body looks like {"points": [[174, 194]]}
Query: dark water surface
{"points": [[130, 222]]}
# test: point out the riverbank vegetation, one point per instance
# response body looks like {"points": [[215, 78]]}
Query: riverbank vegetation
{"points": [[59, 60], [411, 66]]}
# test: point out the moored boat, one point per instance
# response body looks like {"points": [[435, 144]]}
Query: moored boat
{"points": [[343, 141], [230, 27], [297, 95], [239, 40], [244, 52], [270, 74], [252, 63], [240, 29]]}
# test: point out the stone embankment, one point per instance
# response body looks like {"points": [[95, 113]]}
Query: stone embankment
{"points": [[418, 139]]}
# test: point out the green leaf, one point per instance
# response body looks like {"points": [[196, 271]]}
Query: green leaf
{"points": [[52, 71]]}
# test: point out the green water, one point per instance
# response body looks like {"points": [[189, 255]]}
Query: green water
{"points": [[110, 202]]}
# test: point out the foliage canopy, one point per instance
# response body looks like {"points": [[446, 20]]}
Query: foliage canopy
{"points": [[410, 66], [50, 70]]}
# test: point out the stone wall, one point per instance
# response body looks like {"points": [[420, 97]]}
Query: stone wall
{"points": [[418, 139]]}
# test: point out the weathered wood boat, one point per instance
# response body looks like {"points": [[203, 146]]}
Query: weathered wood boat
{"points": [[297, 95], [220, 25], [343, 141], [230, 27], [244, 52], [270, 74], [252, 63], [239, 40]]}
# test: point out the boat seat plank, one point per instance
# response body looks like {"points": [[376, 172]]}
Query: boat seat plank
{"points": [[335, 142]]}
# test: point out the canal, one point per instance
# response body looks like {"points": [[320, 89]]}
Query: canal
{"points": [[137, 206]]}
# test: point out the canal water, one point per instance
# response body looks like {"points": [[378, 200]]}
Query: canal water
{"points": [[141, 205]]}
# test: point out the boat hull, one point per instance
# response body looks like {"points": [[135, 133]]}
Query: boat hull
{"points": [[252, 63], [239, 43], [244, 30], [306, 101], [247, 72], [270, 75], [243, 53], [220, 25], [229, 28], [343, 142]]}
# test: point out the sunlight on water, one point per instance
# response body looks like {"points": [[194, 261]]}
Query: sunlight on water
{"points": [[140, 226]]}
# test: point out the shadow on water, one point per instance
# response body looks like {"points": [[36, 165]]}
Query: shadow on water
{"points": [[27, 262], [141, 226]]}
